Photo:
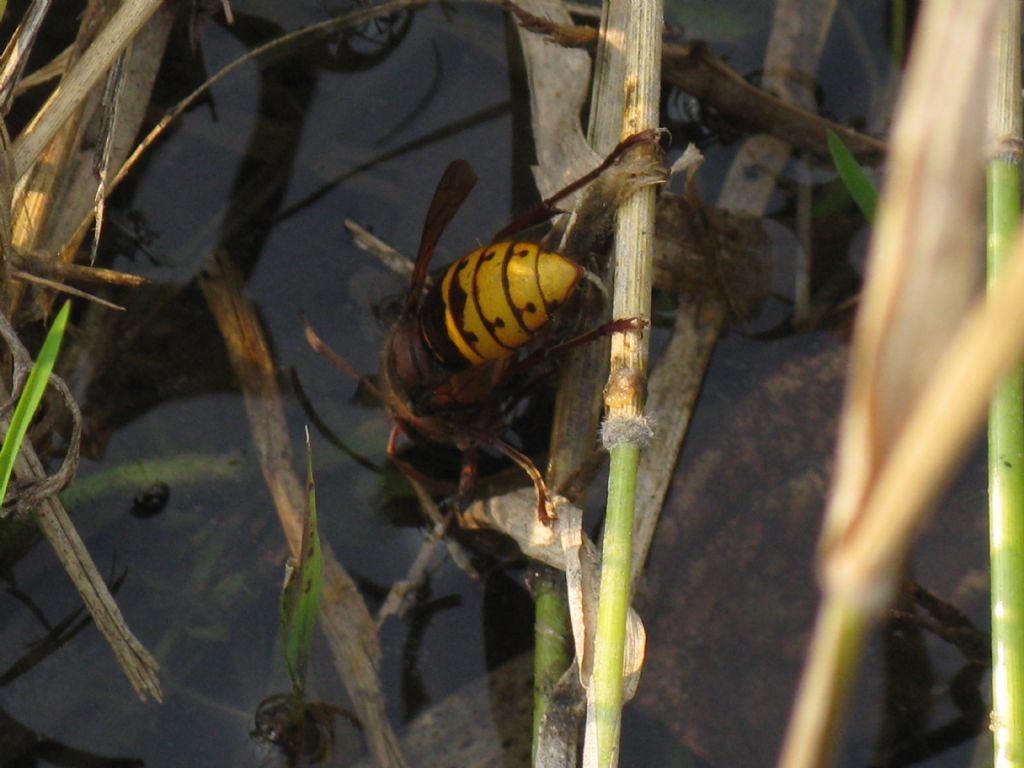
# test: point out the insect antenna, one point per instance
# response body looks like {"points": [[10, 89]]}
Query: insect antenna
{"points": [[544, 506], [322, 428]]}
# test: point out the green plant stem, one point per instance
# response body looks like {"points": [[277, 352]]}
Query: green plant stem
{"points": [[613, 601], [553, 646], [1006, 412], [1006, 498]]}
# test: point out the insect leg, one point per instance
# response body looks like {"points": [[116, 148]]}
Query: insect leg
{"points": [[467, 476], [392, 448], [547, 209], [412, 474], [544, 508], [612, 326]]}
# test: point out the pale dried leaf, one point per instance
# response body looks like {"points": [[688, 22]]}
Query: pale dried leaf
{"points": [[558, 80], [689, 162], [566, 547], [514, 514]]}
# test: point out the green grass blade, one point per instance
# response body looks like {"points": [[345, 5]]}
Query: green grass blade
{"points": [[857, 183], [300, 599], [31, 396]]}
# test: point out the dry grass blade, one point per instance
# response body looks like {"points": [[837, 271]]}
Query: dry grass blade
{"points": [[66, 289], [138, 664], [93, 65], [558, 80], [111, 108], [701, 74], [54, 196], [16, 54], [43, 266]]}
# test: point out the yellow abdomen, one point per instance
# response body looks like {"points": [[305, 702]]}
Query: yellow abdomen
{"points": [[494, 300]]}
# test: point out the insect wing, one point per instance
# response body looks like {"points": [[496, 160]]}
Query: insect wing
{"points": [[452, 190]]}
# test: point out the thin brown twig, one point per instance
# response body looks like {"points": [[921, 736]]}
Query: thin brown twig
{"points": [[696, 70], [43, 266], [53, 285]]}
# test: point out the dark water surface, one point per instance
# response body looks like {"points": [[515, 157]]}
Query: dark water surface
{"points": [[366, 136]]}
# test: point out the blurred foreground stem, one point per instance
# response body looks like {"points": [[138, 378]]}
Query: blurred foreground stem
{"points": [[829, 674], [925, 356]]}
